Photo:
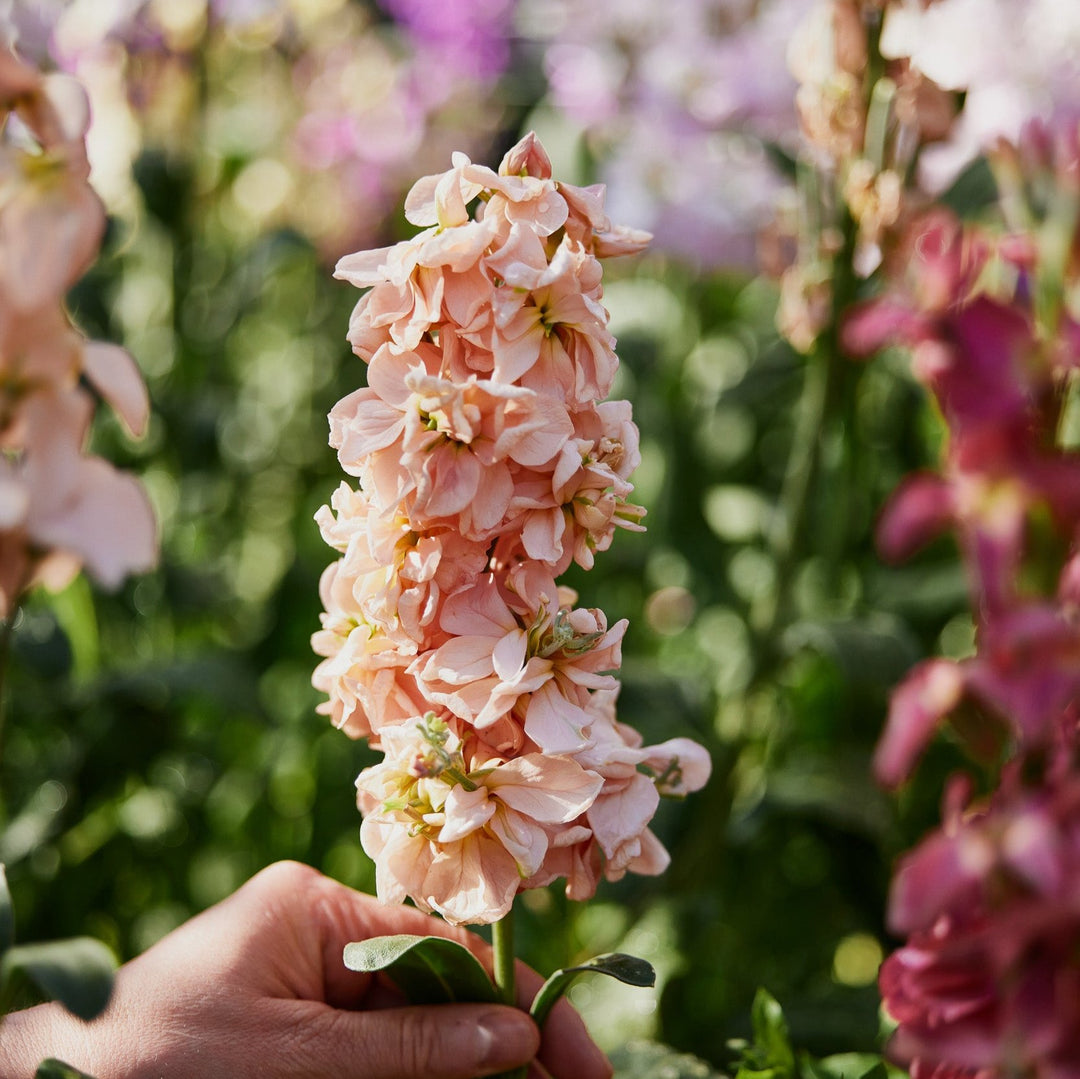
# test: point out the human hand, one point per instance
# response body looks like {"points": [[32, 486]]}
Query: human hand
{"points": [[255, 986]]}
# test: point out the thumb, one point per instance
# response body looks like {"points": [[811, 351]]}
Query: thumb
{"points": [[444, 1041]]}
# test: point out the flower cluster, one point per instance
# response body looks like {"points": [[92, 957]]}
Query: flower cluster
{"points": [[987, 981], [59, 508], [488, 462]]}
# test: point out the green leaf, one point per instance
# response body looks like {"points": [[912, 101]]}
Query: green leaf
{"points": [[57, 1069], [625, 968], [851, 1066], [428, 970], [771, 1039], [650, 1060], [973, 190], [77, 973], [7, 914]]}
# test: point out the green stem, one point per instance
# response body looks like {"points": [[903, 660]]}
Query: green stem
{"points": [[821, 394], [789, 523], [502, 941]]}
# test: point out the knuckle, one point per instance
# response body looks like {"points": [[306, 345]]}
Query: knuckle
{"points": [[286, 876]]}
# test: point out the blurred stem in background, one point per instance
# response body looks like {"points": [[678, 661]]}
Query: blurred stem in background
{"points": [[7, 631], [820, 461]]}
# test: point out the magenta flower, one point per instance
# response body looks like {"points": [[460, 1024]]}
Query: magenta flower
{"points": [[988, 980]]}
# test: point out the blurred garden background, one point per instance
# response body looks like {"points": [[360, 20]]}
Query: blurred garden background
{"points": [[161, 743]]}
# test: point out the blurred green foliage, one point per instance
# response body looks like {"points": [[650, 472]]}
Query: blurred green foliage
{"points": [[162, 743]]}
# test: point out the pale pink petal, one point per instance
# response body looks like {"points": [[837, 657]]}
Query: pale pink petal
{"points": [[554, 723], [401, 861], [465, 812], [521, 261], [526, 158], [682, 764], [420, 202], [488, 510], [459, 661], [548, 789], [508, 656], [653, 859], [387, 372], [70, 105], [363, 268], [478, 611], [524, 840], [542, 534], [448, 482], [14, 498], [114, 374], [473, 883], [624, 814], [109, 524], [536, 434], [360, 425], [50, 236]]}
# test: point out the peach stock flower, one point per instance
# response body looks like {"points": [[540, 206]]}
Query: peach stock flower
{"points": [[487, 461]]}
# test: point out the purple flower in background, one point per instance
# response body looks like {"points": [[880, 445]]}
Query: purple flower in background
{"points": [[28, 24], [241, 12], [470, 36], [371, 115], [679, 101]]}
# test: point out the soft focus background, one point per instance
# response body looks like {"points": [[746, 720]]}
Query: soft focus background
{"points": [[162, 744]]}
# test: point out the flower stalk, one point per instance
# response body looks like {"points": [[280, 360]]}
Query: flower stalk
{"points": [[502, 943]]}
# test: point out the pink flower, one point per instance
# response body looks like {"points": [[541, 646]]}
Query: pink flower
{"points": [[440, 449], [1017, 61], [457, 830], [513, 661], [617, 838], [59, 509], [550, 329]]}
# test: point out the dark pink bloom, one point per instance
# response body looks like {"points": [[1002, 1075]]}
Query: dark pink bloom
{"points": [[988, 980], [920, 509]]}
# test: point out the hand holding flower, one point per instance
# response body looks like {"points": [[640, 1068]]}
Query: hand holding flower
{"points": [[255, 986]]}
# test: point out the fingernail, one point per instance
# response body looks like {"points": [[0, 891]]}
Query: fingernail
{"points": [[507, 1039]]}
